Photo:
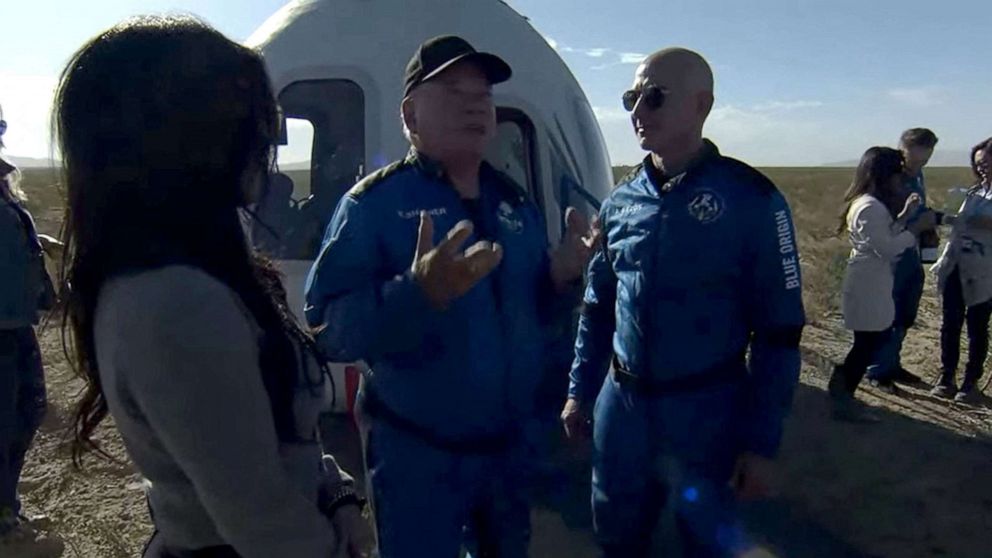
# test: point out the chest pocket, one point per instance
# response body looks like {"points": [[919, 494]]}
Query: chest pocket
{"points": [[638, 227], [700, 246], [718, 261]]}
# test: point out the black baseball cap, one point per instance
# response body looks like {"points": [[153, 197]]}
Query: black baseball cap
{"points": [[440, 53]]}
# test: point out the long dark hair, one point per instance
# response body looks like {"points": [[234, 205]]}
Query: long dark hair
{"points": [[874, 177], [985, 147], [162, 124]]}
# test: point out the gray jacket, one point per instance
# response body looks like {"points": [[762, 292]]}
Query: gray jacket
{"points": [[177, 354], [969, 250]]}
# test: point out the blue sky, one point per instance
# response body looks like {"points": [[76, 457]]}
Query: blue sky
{"points": [[799, 82]]}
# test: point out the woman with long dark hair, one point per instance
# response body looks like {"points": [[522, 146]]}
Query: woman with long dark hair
{"points": [[179, 329], [875, 218], [964, 278]]}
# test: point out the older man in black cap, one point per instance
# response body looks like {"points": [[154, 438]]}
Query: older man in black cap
{"points": [[454, 337]]}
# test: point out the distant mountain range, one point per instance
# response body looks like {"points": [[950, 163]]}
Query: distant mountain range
{"points": [[940, 159]]}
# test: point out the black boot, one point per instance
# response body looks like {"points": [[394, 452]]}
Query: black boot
{"points": [[905, 377], [837, 386], [945, 386], [843, 406], [969, 389]]}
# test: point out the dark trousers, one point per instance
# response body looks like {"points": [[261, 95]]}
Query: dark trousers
{"points": [[908, 283], [955, 316], [431, 502], [866, 351], [22, 408], [906, 294], [658, 454]]}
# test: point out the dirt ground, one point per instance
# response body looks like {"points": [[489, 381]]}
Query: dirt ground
{"points": [[917, 484]]}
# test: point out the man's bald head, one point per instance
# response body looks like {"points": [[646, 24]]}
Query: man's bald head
{"points": [[686, 83], [681, 67]]}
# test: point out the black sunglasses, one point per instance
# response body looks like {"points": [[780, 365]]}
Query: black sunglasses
{"points": [[652, 95], [3, 127]]}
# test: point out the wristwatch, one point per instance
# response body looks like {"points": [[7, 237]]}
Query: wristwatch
{"points": [[343, 496]]}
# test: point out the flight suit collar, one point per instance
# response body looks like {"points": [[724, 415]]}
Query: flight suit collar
{"points": [[664, 183], [487, 175]]}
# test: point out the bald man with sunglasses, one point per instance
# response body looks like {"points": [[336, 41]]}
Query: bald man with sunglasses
{"points": [[698, 267]]}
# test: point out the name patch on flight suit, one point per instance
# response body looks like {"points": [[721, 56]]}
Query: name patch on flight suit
{"points": [[629, 210], [415, 213]]}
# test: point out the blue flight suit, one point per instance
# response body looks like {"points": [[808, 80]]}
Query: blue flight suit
{"points": [[696, 271], [449, 400]]}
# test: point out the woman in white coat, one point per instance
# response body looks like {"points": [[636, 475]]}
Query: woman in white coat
{"points": [[875, 195]]}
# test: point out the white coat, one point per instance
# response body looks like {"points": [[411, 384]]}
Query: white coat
{"points": [[876, 242]]}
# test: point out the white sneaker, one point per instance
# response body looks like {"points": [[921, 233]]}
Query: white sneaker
{"points": [[27, 541]]}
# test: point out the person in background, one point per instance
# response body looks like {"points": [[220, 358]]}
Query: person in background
{"points": [[964, 278], [676, 299], [877, 239], [25, 292], [178, 329], [916, 145]]}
